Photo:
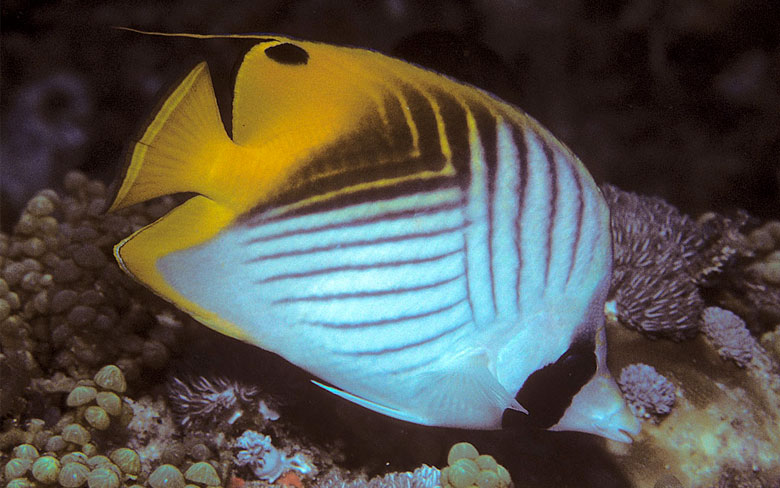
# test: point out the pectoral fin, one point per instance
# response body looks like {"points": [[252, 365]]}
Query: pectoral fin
{"points": [[468, 395], [194, 222]]}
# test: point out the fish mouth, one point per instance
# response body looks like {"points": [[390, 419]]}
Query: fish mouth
{"points": [[622, 435]]}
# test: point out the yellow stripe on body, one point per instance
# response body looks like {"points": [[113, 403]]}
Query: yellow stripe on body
{"points": [[380, 79], [448, 170], [443, 141]]}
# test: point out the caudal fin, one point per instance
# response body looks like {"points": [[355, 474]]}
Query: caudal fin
{"points": [[178, 149]]}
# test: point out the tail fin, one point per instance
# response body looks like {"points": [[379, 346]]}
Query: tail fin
{"points": [[179, 147]]}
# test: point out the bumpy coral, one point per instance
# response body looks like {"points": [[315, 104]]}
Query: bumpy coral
{"points": [[71, 468], [66, 309], [65, 306], [752, 289], [207, 402], [649, 394], [661, 257], [468, 468], [727, 332]]}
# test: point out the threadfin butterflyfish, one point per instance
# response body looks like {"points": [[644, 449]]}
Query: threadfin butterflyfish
{"points": [[424, 248]]}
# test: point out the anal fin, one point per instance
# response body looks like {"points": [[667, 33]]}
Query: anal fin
{"points": [[466, 395]]}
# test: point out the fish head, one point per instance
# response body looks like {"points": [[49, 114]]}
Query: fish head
{"points": [[598, 407], [576, 392], [301, 94]]}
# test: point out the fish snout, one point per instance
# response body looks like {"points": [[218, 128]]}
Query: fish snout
{"points": [[620, 425], [598, 408]]}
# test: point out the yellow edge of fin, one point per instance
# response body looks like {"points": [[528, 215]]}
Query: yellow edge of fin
{"points": [[181, 146], [139, 151], [195, 221]]}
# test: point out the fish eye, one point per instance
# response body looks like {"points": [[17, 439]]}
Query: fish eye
{"points": [[549, 391], [287, 54]]}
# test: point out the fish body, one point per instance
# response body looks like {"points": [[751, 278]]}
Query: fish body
{"points": [[426, 249]]}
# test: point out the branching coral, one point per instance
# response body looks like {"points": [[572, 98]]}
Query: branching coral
{"points": [[661, 257], [649, 394], [265, 461], [205, 401]]}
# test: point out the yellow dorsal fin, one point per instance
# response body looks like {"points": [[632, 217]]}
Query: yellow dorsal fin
{"points": [[183, 148]]}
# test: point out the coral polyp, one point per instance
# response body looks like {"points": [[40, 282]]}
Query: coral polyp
{"points": [[649, 394], [266, 462], [202, 401], [661, 258]]}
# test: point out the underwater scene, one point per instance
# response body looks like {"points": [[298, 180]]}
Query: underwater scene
{"points": [[401, 243]]}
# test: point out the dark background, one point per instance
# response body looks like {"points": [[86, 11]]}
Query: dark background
{"points": [[678, 99]]}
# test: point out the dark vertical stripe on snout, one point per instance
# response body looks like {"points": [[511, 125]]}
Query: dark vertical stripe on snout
{"points": [[549, 391]]}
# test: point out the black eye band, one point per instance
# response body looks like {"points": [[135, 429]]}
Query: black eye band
{"points": [[548, 392], [287, 54]]}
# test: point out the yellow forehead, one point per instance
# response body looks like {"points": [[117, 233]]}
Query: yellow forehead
{"points": [[285, 85]]}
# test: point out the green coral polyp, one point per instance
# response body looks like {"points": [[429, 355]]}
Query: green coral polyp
{"points": [[103, 477], [97, 417], [46, 469], [469, 469], [110, 402], [98, 461], [462, 450], [166, 476], [488, 479], [486, 462], [20, 483], [81, 395], [17, 467], [463, 473], [74, 457], [503, 475], [111, 378], [202, 473], [76, 434], [127, 460], [55, 444], [26, 451], [73, 475]]}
